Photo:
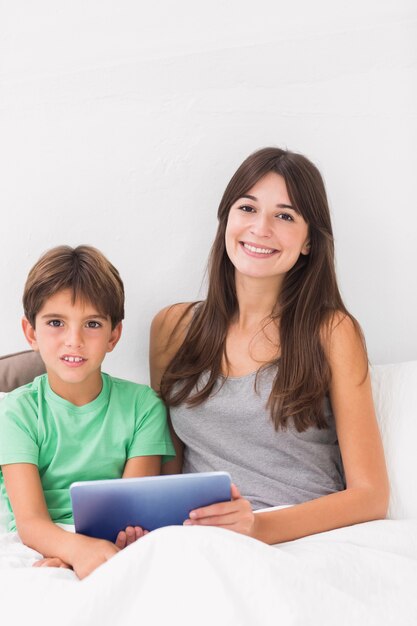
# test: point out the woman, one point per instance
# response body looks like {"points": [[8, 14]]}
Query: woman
{"points": [[268, 377]]}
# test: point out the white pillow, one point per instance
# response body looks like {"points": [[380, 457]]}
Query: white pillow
{"points": [[395, 395]]}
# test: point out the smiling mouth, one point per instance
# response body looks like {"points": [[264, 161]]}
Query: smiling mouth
{"points": [[257, 250], [73, 359]]}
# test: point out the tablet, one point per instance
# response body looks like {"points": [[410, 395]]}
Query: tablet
{"points": [[102, 508]]}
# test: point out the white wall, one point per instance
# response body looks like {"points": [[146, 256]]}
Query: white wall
{"points": [[121, 123]]}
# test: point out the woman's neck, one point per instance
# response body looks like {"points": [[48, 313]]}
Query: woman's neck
{"points": [[257, 299]]}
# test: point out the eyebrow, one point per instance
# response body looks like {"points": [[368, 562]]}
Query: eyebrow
{"points": [[279, 206], [87, 317]]}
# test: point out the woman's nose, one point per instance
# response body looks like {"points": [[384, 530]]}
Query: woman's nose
{"points": [[261, 225]]}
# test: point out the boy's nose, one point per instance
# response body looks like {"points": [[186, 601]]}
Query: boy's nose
{"points": [[73, 339]]}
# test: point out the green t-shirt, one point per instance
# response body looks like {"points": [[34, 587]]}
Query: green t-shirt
{"points": [[70, 443]]}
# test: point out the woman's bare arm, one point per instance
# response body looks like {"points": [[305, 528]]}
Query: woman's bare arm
{"points": [[168, 330], [167, 334], [366, 495]]}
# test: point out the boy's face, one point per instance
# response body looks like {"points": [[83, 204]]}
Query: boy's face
{"points": [[72, 340]]}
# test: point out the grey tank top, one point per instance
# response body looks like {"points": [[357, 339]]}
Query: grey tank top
{"points": [[232, 431]]}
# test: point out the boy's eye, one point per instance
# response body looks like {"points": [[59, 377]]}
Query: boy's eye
{"points": [[93, 324], [286, 217], [55, 323]]}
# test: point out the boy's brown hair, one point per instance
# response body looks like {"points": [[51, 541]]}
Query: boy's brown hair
{"points": [[85, 271]]}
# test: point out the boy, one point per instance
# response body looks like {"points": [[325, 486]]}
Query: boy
{"points": [[74, 422]]}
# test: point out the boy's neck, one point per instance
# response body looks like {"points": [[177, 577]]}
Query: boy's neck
{"points": [[78, 394]]}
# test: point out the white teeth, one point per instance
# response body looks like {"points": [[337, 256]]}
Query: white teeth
{"points": [[258, 250], [73, 359]]}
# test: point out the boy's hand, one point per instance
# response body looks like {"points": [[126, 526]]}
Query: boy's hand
{"points": [[129, 535], [51, 561], [90, 553]]}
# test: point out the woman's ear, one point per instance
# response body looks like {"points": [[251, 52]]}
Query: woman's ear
{"points": [[30, 334], [306, 248], [114, 337]]}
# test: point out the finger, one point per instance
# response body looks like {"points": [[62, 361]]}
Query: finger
{"points": [[221, 508], [57, 562], [121, 540], [130, 535], [214, 520], [139, 532], [51, 562], [234, 492], [231, 527]]}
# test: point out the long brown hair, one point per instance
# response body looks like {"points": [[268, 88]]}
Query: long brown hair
{"points": [[307, 302]]}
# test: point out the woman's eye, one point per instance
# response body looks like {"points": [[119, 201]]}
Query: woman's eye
{"points": [[93, 324], [247, 209], [55, 323], [286, 217]]}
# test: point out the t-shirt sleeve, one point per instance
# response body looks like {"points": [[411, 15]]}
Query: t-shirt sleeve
{"points": [[17, 431], [151, 435]]}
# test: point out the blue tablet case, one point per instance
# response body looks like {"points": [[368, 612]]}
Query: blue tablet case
{"points": [[102, 508]]}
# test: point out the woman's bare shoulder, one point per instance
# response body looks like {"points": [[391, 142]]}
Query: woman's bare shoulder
{"points": [[344, 344], [340, 326], [168, 329], [172, 319]]}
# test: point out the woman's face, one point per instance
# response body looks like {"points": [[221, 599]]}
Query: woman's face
{"points": [[265, 235]]}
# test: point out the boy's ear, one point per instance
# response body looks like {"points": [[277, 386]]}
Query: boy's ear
{"points": [[29, 333], [114, 337]]}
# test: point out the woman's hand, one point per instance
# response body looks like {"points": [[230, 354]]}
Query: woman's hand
{"points": [[129, 535], [236, 515]]}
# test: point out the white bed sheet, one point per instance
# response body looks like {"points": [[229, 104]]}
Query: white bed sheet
{"points": [[363, 575], [360, 575]]}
